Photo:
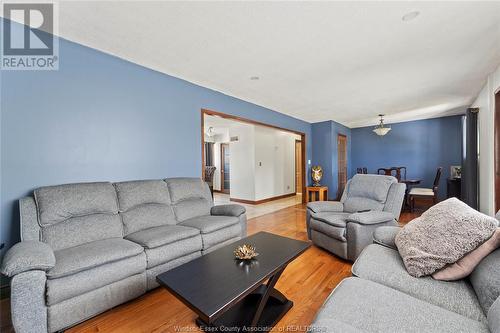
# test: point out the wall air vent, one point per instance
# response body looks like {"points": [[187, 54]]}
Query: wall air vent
{"points": [[233, 139]]}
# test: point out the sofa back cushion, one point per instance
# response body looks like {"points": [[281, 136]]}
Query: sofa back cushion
{"points": [[485, 280], [144, 204], [190, 197], [367, 192], [74, 214]]}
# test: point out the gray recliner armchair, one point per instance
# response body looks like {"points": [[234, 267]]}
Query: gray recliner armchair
{"points": [[346, 227]]}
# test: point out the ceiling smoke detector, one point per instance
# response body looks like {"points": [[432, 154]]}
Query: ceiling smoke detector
{"points": [[410, 16]]}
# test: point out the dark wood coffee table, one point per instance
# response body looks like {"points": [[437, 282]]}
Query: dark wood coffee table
{"points": [[229, 293]]}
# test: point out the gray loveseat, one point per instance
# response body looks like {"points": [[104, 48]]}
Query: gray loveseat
{"points": [[346, 227], [383, 297], [89, 247]]}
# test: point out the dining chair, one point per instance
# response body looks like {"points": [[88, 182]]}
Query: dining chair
{"points": [[384, 171], [426, 193], [400, 173]]}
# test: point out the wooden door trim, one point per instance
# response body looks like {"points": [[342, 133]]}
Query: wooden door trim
{"points": [[496, 148], [253, 122], [346, 162], [222, 145], [301, 166]]}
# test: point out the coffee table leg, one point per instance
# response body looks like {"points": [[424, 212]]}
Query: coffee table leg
{"points": [[253, 311], [269, 290]]}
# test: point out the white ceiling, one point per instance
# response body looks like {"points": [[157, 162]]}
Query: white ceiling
{"points": [[342, 61]]}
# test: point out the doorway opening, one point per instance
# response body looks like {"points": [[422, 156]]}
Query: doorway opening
{"points": [[496, 119], [342, 164], [225, 168], [254, 162], [298, 167]]}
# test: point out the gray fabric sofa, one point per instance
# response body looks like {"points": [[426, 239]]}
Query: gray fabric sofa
{"points": [[89, 247], [346, 227], [382, 297]]}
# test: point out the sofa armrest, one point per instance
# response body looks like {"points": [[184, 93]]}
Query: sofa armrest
{"points": [[386, 236], [370, 217], [325, 206], [228, 210], [28, 256]]}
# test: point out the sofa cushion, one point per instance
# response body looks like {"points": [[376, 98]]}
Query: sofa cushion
{"points": [[325, 206], [81, 230], [190, 208], [168, 252], [188, 188], [219, 236], [59, 203], [158, 236], [494, 316], [442, 235], [372, 307], [191, 197], [384, 265], [386, 236], [373, 187], [144, 204], [359, 204], [371, 217], [367, 192], [463, 267], [86, 256], [329, 229], [135, 193], [73, 285], [486, 280], [209, 223], [336, 219], [75, 214]]}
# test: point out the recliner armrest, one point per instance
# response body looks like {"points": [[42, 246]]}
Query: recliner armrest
{"points": [[28, 256], [228, 210], [386, 236], [325, 206], [371, 217]]}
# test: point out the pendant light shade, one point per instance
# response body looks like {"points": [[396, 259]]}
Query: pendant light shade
{"points": [[381, 129]]}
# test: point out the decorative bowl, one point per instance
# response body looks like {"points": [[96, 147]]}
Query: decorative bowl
{"points": [[245, 252]]}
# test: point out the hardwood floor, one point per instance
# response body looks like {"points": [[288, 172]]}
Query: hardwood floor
{"points": [[307, 281]]}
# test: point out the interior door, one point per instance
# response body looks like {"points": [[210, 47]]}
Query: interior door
{"points": [[342, 164], [298, 166], [497, 151], [224, 170]]}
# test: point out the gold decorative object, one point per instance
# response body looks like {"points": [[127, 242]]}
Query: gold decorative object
{"points": [[316, 174], [245, 252]]}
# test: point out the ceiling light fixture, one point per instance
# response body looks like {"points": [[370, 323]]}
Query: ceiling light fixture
{"points": [[380, 129], [410, 16], [254, 78], [211, 131]]}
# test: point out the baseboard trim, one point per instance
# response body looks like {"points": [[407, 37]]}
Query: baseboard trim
{"points": [[218, 191], [251, 202]]}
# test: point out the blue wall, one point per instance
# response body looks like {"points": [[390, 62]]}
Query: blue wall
{"points": [[325, 154], [422, 146], [103, 118]]}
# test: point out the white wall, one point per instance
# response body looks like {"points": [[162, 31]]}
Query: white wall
{"points": [[486, 104], [242, 157], [262, 161], [274, 163]]}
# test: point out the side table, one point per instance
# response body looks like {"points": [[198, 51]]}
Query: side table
{"points": [[312, 193]]}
